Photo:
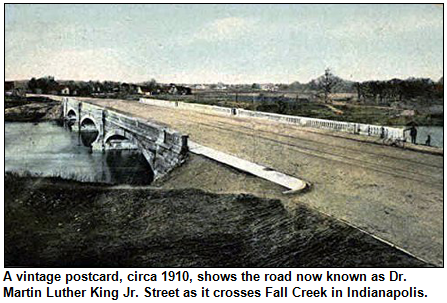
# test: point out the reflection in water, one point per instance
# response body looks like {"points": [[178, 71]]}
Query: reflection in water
{"points": [[87, 138], [46, 149], [436, 133], [126, 165]]}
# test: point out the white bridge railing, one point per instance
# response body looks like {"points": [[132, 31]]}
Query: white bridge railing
{"points": [[350, 127]]}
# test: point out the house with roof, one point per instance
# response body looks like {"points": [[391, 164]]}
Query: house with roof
{"points": [[65, 90], [144, 90]]}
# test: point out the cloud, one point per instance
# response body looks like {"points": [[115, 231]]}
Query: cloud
{"points": [[359, 27], [89, 64], [225, 29]]}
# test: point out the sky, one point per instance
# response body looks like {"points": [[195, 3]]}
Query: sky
{"points": [[237, 43]]}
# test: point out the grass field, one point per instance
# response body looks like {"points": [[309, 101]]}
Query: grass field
{"points": [[289, 104]]}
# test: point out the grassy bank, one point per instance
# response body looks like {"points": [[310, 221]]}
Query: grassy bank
{"points": [[56, 223], [31, 109]]}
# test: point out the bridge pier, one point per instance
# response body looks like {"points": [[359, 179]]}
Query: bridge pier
{"points": [[99, 144]]}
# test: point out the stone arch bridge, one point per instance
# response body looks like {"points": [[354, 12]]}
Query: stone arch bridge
{"points": [[162, 147]]}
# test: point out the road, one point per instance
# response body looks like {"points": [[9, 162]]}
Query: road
{"points": [[394, 194]]}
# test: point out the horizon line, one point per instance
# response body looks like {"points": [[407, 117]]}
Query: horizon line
{"points": [[229, 83]]}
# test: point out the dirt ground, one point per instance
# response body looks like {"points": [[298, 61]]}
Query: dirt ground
{"points": [[393, 193]]}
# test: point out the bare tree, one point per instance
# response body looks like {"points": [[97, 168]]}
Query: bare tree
{"points": [[326, 83]]}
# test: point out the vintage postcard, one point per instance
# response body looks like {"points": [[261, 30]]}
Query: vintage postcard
{"points": [[223, 136]]}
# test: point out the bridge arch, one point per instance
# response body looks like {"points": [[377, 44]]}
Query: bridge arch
{"points": [[118, 132], [88, 120], [71, 108], [71, 113], [89, 132]]}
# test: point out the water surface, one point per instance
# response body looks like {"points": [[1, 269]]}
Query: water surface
{"points": [[47, 149], [436, 133]]}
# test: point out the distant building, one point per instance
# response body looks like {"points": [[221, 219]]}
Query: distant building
{"points": [[183, 90], [142, 90], [172, 89], [269, 87], [65, 90], [129, 88], [221, 86], [200, 86]]}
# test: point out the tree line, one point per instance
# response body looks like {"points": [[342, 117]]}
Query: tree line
{"points": [[399, 90], [373, 91], [378, 92], [48, 85]]}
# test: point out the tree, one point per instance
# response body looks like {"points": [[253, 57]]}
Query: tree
{"points": [[46, 84], [326, 83], [255, 86], [108, 86], [32, 85], [152, 84], [295, 86], [358, 88], [282, 105]]}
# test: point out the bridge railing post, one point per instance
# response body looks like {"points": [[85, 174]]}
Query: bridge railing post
{"points": [[64, 107]]}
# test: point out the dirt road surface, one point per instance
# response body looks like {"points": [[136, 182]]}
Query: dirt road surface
{"points": [[394, 194]]}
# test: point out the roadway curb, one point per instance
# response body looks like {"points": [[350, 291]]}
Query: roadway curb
{"points": [[293, 184]]}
